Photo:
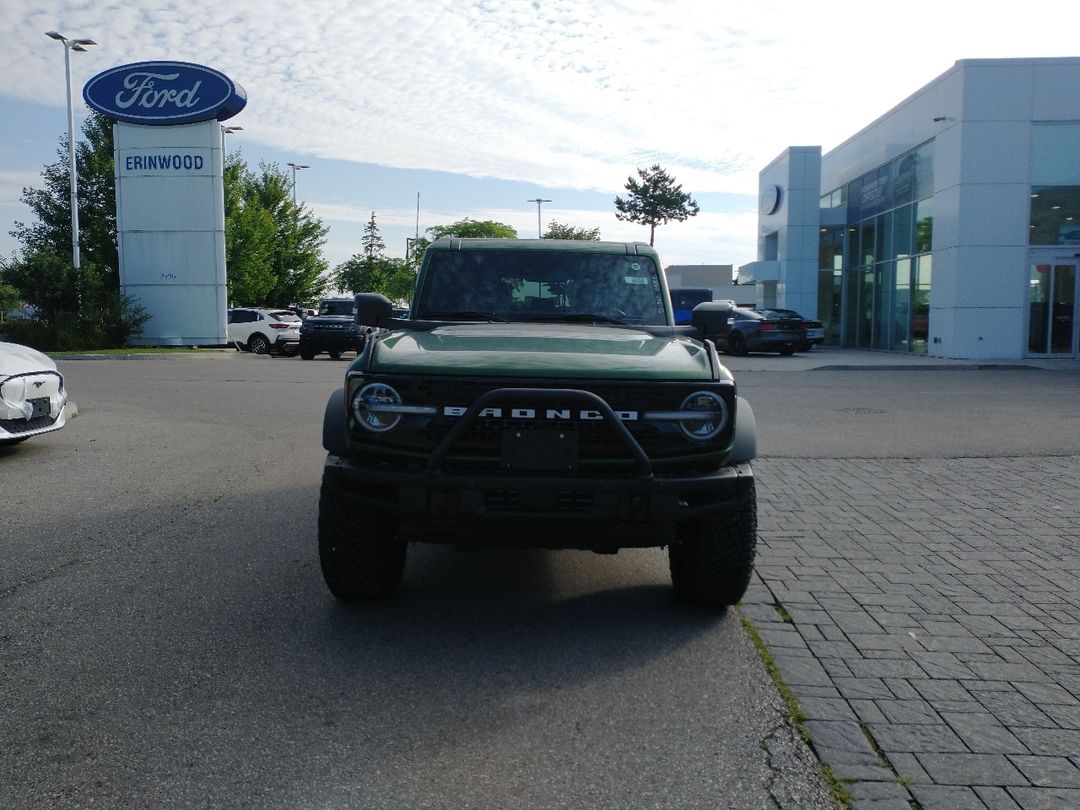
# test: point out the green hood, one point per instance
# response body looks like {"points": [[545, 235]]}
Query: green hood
{"points": [[542, 350]]}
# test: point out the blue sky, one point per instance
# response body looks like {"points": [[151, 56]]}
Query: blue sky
{"points": [[481, 105]]}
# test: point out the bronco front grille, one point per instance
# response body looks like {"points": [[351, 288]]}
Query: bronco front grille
{"points": [[596, 440]]}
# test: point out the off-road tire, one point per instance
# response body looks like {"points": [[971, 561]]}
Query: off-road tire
{"points": [[257, 344], [712, 558], [361, 555]]}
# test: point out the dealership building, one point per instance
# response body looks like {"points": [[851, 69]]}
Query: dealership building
{"points": [[950, 226]]}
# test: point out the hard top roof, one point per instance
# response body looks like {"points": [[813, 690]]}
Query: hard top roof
{"points": [[561, 245]]}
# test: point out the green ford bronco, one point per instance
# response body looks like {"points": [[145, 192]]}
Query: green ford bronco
{"points": [[539, 396]]}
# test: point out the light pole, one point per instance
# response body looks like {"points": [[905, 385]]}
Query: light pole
{"points": [[295, 168], [538, 202], [69, 46], [229, 131]]}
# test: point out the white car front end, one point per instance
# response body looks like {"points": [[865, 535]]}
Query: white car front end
{"points": [[32, 394]]}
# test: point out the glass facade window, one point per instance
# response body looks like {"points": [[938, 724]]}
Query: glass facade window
{"points": [[903, 232], [1055, 184], [1053, 301], [866, 242], [920, 303], [924, 226], [1055, 215], [834, 199], [831, 249], [1055, 154], [883, 289], [924, 171]]}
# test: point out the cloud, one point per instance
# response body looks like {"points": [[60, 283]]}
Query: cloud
{"points": [[567, 94], [561, 94]]}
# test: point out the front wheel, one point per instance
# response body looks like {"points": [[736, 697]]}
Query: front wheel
{"points": [[257, 344], [712, 558], [306, 355], [736, 344], [361, 555]]}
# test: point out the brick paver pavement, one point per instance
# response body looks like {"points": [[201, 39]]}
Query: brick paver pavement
{"points": [[926, 614]]}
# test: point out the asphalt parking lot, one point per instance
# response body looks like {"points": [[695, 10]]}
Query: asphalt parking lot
{"points": [[925, 610], [918, 585]]}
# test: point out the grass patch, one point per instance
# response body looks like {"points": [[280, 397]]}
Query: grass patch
{"points": [[838, 788], [133, 350]]}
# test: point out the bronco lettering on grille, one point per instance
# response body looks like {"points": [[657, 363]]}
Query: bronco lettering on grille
{"points": [[549, 414]]}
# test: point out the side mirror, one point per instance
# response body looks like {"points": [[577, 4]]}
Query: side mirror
{"points": [[373, 309], [712, 318]]}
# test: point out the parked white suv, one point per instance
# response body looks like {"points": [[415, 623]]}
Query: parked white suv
{"points": [[263, 331]]}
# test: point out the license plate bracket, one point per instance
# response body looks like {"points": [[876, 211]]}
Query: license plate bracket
{"points": [[524, 449], [39, 407]]}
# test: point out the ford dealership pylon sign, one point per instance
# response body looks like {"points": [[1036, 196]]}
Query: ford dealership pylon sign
{"points": [[164, 93]]}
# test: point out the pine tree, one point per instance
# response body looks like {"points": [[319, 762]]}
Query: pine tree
{"points": [[372, 244], [654, 200]]}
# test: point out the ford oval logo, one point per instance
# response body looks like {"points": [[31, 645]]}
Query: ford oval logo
{"points": [[163, 93]]}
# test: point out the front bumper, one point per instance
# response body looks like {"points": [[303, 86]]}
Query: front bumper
{"points": [[31, 404], [537, 510], [331, 342]]}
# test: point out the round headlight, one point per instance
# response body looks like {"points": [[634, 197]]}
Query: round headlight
{"points": [[368, 407], [711, 412]]}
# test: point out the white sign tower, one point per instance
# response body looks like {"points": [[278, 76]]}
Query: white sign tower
{"points": [[170, 209]]}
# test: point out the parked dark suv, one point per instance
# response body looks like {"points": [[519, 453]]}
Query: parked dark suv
{"points": [[334, 330]]}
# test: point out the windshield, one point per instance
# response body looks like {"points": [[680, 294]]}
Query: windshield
{"points": [[347, 307], [508, 285], [781, 314]]}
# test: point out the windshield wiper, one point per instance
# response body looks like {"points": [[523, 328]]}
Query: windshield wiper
{"points": [[579, 317]]}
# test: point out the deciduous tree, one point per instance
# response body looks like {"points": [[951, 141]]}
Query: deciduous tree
{"points": [[556, 230], [50, 232], [273, 246], [462, 229], [474, 229]]}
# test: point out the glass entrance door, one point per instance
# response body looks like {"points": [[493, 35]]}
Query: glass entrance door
{"points": [[1052, 300]]}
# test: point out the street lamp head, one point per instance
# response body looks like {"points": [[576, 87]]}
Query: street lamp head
{"points": [[231, 130], [73, 44]]}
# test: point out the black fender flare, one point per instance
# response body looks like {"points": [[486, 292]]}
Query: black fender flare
{"points": [[744, 444], [334, 431]]}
